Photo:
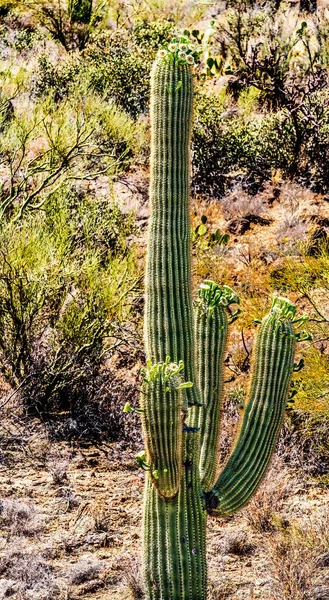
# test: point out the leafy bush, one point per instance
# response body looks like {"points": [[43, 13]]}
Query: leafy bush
{"points": [[119, 63], [59, 79], [286, 62], [228, 150], [116, 66], [66, 279], [45, 145]]}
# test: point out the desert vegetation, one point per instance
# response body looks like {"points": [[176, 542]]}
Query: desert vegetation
{"points": [[75, 138]]}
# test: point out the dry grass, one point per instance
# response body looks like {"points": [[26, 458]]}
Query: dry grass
{"points": [[237, 543], [299, 559], [133, 579], [20, 518], [261, 513], [238, 204], [26, 572]]}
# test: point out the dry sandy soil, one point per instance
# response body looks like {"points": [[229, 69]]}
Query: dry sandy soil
{"points": [[70, 527]]}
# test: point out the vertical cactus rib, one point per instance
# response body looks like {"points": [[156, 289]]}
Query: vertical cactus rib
{"points": [[169, 315], [272, 370], [163, 412], [174, 535], [211, 326]]}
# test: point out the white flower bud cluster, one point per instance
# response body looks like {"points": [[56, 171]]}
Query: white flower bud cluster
{"points": [[181, 52]]}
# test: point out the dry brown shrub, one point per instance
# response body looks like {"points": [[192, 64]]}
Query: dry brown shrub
{"points": [[299, 560], [133, 578], [261, 512]]}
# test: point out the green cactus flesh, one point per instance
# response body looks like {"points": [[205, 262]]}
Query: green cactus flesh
{"points": [[175, 535], [211, 325], [168, 312], [162, 418], [272, 371]]}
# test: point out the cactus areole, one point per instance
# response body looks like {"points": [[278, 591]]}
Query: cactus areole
{"points": [[183, 382]]}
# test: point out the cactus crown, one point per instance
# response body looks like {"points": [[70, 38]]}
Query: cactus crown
{"points": [[180, 51], [283, 309], [211, 295], [168, 373]]}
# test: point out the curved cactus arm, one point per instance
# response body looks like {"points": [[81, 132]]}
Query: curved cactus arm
{"points": [[175, 535], [163, 413], [211, 326], [168, 310], [272, 370]]}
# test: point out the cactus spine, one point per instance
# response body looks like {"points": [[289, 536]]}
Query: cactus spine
{"points": [[181, 425]]}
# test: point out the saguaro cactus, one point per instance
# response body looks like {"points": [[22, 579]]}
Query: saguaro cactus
{"points": [[182, 395]]}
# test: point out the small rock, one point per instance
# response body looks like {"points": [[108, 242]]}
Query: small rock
{"points": [[261, 582], [241, 225], [8, 587]]}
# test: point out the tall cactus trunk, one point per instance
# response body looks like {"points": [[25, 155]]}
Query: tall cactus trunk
{"points": [[175, 535], [168, 312], [181, 426]]}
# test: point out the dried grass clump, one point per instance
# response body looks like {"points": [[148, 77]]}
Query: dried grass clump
{"points": [[27, 572], [236, 542], [20, 518], [84, 570], [238, 204], [261, 512], [299, 560], [58, 472], [133, 579]]}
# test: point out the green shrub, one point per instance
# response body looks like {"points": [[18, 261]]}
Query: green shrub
{"points": [[117, 67], [44, 145], [59, 79], [152, 34], [118, 64], [227, 148], [66, 283]]}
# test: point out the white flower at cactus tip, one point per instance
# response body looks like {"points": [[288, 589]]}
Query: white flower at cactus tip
{"points": [[162, 53], [182, 55], [172, 47], [190, 59], [183, 47]]}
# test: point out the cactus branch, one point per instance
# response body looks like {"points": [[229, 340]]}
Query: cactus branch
{"points": [[272, 370], [162, 418], [211, 326]]}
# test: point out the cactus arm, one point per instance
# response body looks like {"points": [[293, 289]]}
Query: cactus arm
{"points": [[272, 370], [168, 310], [211, 326], [163, 413], [175, 535]]}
